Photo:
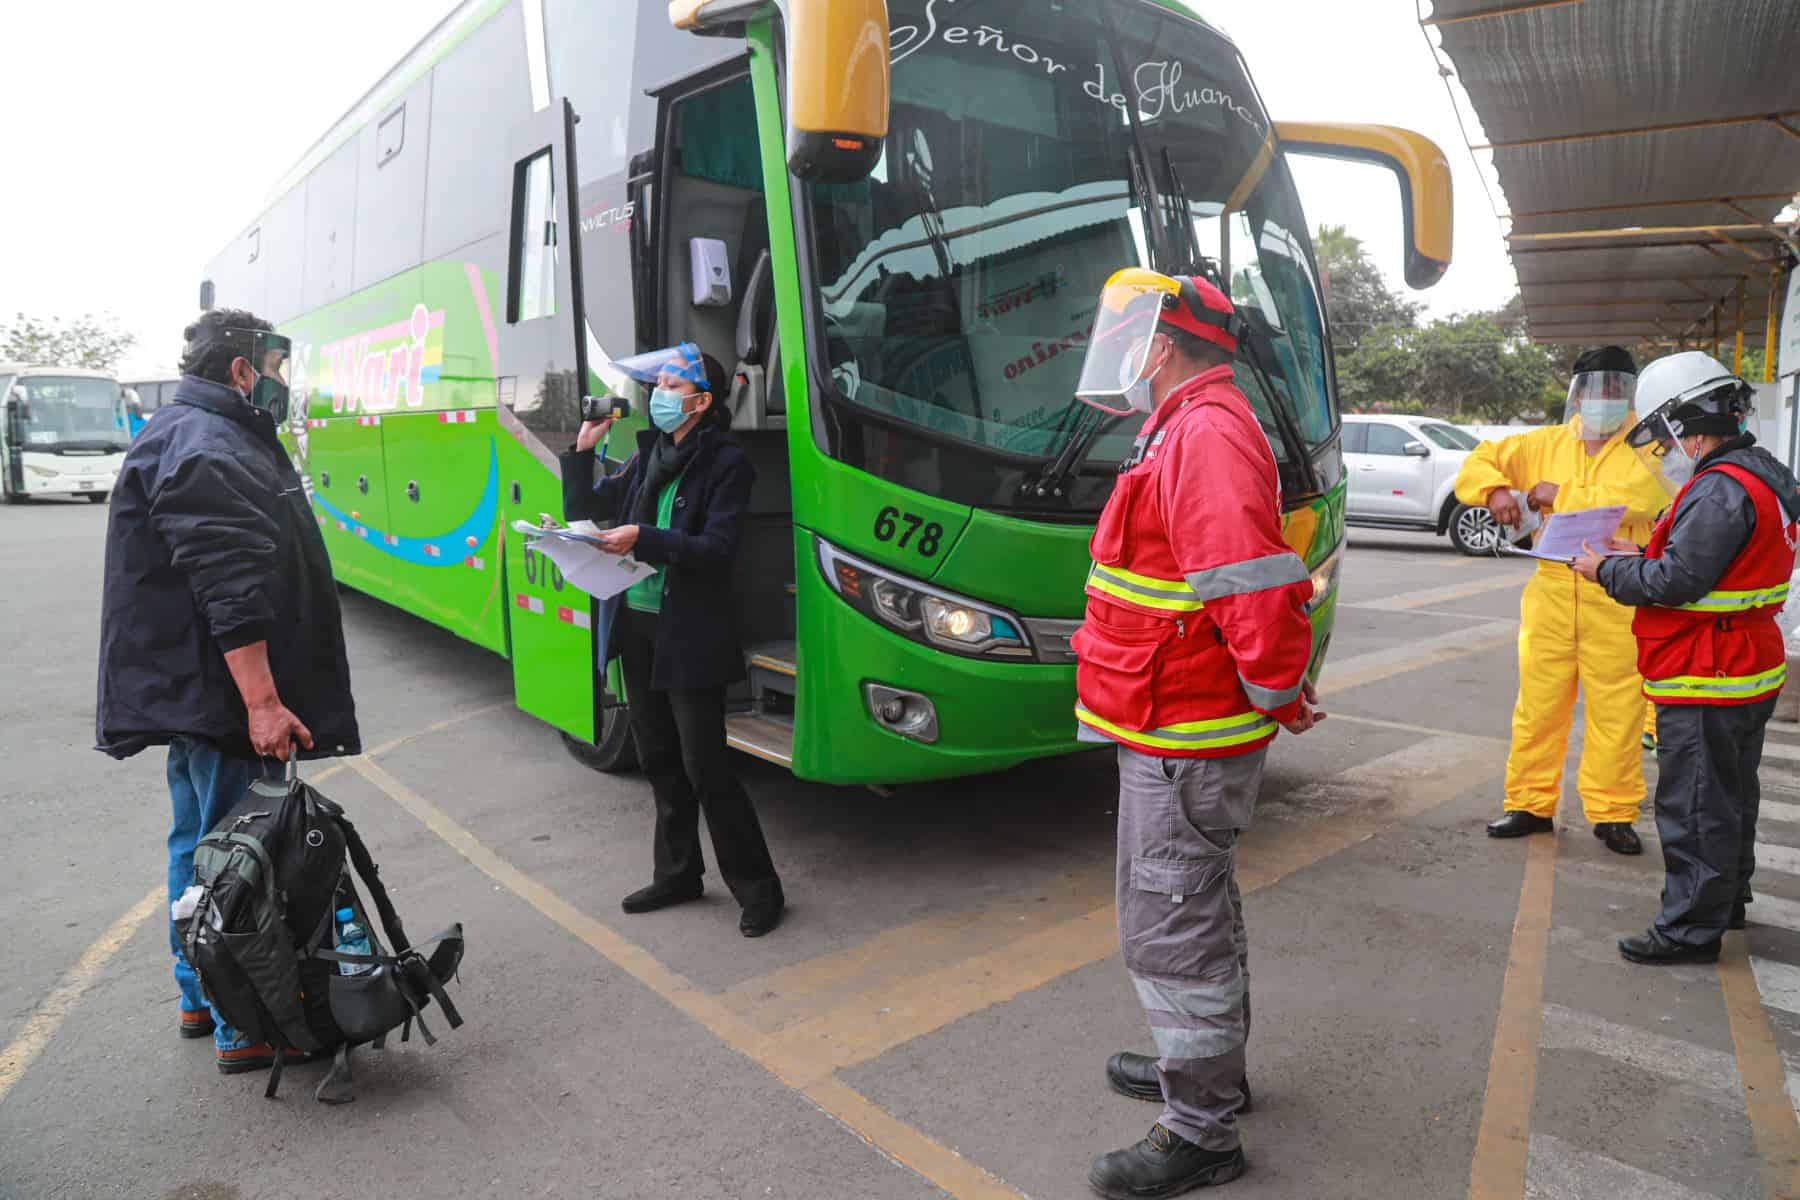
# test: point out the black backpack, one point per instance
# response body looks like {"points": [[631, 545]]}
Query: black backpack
{"points": [[267, 881]]}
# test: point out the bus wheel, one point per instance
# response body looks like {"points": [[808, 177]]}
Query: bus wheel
{"points": [[616, 753], [96, 497]]}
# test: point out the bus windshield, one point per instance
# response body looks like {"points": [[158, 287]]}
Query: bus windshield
{"points": [[67, 412], [957, 284]]}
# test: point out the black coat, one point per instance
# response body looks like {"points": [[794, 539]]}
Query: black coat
{"points": [[211, 545], [696, 632]]}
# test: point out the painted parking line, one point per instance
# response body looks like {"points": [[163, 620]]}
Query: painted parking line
{"points": [[53, 1009], [1426, 597], [1503, 1139], [1773, 857], [1760, 1067], [1711, 1074], [1359, 669], [1560, 1171]]}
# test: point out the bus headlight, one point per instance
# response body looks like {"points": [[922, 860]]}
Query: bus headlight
{"points": [[1325, 580], [46, 472], [921, 612]]}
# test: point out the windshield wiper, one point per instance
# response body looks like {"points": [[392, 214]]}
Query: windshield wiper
{"points": [[1181, 217], [1088, 428], [1251, 338], [1143, 181]]}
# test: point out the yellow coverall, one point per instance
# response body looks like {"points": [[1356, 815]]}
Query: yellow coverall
{"points": [[1570, 632]]}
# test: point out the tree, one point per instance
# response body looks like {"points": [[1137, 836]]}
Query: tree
{"points": [[1358, 300], [94, 342], [1470, 366]]}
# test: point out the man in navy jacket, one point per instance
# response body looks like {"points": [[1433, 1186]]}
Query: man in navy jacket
{"points": [[220, 634]]}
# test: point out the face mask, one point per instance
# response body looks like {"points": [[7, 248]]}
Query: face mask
{"points": [[665, 410], [1138, 395], [1678, 465], [1604, 415]]}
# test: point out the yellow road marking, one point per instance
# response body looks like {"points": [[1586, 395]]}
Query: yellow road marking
{"points": [[53, 1009], [1763, 1074], [893, 1138], [1426, 597], [1502, 1145], [1343, 674]]}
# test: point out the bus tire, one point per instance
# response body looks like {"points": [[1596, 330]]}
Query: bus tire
{"points": [[616, 752]]}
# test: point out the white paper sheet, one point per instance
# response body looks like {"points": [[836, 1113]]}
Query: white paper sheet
{"points": [[1564, 533], [577, 554]]}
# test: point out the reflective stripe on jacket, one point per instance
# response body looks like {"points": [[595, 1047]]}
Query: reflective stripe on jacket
{"points": [[1196, 638]]}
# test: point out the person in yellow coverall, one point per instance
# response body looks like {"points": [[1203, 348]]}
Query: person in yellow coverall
{"points": [[1571, 634]]}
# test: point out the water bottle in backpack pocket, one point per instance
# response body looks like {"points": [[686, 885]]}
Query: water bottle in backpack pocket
{"points": [[352, 938]]}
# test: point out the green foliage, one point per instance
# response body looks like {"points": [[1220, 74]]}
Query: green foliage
{"points": [[94, 342], [1358, 300]]}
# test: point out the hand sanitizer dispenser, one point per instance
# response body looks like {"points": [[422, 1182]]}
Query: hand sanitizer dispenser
{"points": [[712, 276]]}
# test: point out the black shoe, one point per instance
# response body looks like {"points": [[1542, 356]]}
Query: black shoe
{"points": [[1653, 949], [1619, 837], [1134, 1075], [762, 916], [1739, 918], [662, 894], [1518, 823], [1162, 1165]]}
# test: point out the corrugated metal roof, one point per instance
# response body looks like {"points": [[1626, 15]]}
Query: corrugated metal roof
{"points": [[1644, 148]]}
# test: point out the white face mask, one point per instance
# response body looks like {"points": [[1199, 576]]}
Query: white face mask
{"points": [[1139, 396], [1678, 465]]}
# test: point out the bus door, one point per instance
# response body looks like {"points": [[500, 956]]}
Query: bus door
{"points": [[541, 374]]}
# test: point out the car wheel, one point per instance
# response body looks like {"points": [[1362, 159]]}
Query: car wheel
{"points": [[96, 497], [1473, 531], [616, 752]]}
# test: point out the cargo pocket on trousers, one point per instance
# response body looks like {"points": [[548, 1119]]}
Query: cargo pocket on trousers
{"points": [[1177, 918]]}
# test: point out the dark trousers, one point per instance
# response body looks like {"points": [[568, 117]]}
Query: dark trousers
{"points": [[1707, 796], [680, 735]]}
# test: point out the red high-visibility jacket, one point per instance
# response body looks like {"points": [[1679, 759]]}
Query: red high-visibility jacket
{"points": [[1196, 639], [1726, 647]]}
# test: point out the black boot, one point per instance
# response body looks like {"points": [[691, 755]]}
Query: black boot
{"points": [[1653, 949], [1135, 1075], [1518, 823], [1162, 1165], [760, 916], [1619, 837], [661, 894]]}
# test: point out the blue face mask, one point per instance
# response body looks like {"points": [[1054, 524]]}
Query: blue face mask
{"points": [[665, 409]]}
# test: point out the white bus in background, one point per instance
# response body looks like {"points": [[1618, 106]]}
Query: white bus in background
{"points": [[63, 432]]}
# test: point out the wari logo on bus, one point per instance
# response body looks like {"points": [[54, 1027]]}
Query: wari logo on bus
{"points": [[375, 370]]}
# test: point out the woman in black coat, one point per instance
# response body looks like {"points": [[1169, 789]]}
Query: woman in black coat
{"points": [[678, 504]]}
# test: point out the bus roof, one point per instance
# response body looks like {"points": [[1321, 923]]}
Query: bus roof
{"points": [[41, 369]]}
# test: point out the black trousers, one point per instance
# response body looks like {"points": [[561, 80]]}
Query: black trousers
{"points": [[1707, 796], [680, 737]]}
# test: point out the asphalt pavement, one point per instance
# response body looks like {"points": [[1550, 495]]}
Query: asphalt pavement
{"points": [[1437, 1014]]}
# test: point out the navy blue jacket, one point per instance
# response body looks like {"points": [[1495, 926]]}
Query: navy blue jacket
{"points": [[696, 633], [212, 545]]}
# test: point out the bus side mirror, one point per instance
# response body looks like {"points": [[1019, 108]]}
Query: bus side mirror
{"points": [[1424, 175], [18, 407], [837, 76], [206, 295]]}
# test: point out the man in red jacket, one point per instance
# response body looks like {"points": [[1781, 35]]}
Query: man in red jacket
{"points": [[1193, 653]]}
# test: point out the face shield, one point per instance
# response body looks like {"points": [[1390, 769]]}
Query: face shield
{"points": [[1599, 402], [1656, 440], [268, 354], [676, 362], [1114, 374]]}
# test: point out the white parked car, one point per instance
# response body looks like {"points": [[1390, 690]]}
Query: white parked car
{"points": [[1402, 473]]}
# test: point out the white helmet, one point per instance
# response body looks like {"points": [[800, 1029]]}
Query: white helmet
{"points": [[1677, 375]]}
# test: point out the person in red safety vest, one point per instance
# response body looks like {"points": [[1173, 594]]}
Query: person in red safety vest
{"points": [[1707, 590], [1192, 655]]}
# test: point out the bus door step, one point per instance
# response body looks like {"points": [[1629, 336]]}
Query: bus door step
{"points": [[773, 668], [768, 738]]}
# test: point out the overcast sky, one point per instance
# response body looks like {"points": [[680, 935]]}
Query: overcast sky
{"points": [[140, 138]]}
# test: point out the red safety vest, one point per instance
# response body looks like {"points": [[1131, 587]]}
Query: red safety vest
{"points": [[1726, 647], [1196, 637]]}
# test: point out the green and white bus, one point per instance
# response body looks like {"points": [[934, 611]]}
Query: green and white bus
{"points": [[63, 432], [895, 219]]}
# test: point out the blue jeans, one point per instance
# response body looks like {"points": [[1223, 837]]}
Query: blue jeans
{"points": [[204, 785]]}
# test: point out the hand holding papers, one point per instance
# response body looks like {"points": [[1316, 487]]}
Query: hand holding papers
{"points": [[584, 561], [1565, 532]]}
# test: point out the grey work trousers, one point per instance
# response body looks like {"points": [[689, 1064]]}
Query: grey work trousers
{"points": [[1707, 797], [1181, 928]]}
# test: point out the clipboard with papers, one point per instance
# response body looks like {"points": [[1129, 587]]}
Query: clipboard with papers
{"points": [[579, 554], [1563, 534]]}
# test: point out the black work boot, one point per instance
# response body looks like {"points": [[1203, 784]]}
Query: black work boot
{"points": [[1162, 1165], [1739, 916], [1518, 823], [1619, 837], [662, 894], [1135, 1075], [1653, 949]]}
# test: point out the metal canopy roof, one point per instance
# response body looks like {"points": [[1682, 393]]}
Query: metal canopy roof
{"points": [[1645, 148]]}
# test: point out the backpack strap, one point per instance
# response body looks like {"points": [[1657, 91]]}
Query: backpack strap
{"points": [[371, 877], [280, 1048]]}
